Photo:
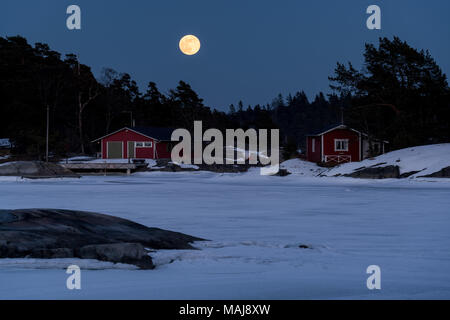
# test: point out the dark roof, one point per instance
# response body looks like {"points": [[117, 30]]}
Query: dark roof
{"points": [[328, 128], [341, 126], [162, 134]]}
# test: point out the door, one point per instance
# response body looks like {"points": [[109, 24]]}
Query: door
{"points": [[115, 150], [131, 151]]}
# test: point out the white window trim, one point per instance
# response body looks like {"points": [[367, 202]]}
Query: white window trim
{"points": [[340, 140], [143, 144], [313, 145]]}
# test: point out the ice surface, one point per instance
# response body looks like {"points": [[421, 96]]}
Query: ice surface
{"points": [[256, 224]]}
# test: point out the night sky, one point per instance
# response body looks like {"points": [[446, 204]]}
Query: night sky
{"points": [[251, 50]]}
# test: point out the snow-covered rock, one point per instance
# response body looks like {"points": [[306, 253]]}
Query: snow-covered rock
{"points": [[52, 233], [413, 162], [302, 168], [430, 160], [185, 166]]}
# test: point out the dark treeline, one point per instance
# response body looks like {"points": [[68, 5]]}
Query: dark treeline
{"points": [[400, 95], [294, 115], [81, 107]]}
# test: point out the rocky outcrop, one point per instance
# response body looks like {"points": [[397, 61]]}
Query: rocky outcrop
{"points": [[35, 169], [408, 174], [130, 253], [50, 233], [167, 166], [387, 172], [443, 173], [282, 173], [171, 167]]}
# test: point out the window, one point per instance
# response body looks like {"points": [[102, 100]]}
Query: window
{"points": [[313, 148], [340, 144], [147, 144]]}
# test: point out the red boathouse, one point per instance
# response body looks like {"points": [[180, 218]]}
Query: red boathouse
{"points": [[137, 143], [340, 144]]}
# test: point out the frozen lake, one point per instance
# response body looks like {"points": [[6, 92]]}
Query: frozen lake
{"points": [[256, 225]]}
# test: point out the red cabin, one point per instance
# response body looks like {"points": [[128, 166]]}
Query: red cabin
{"points": [[340, 144], [137, 143]]}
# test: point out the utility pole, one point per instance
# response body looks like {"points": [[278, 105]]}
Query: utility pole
{"points": [[46, 139]]}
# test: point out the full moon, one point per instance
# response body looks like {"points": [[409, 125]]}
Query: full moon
{"points": [[189, 45]]}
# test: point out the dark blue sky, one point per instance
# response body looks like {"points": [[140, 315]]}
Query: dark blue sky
{"points": [[251, 49]]}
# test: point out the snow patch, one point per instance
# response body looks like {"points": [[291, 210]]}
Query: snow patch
{"points": [[302, 168], [86, 264], [186, 166], [424, 159]]}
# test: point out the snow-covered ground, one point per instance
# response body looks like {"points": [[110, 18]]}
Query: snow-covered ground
{"points": [[302, 168], [256, 225], [425, 159]]}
